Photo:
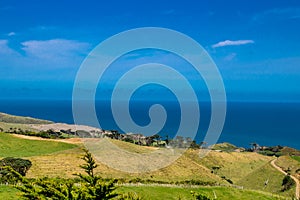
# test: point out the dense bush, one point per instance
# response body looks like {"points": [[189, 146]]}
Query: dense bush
{"points": [[199, 196], [21, 166], [50, 134], [287, 183]]}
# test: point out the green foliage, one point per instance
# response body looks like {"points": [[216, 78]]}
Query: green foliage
{"points": [[45, 188], [128, 140], [90, 163], [199, 196], [271, 151], [153, 181], [296, 158], [50, 134], [215, 169], [11, 169], [227, 147], [227, 179], [87, 187], [18, 164], [267, 153], [194, 145], [9, 175], [287, 183]]}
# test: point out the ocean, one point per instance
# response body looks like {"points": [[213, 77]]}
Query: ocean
{"points": [[262, 122]]}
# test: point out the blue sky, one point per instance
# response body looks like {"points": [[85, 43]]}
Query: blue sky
{"points": [[255, 44]]}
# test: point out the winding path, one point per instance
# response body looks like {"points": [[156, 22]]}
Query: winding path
{"points": [[297, 193]]}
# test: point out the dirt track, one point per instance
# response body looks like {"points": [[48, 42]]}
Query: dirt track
{"points": [[294, 178], [69, 140]]}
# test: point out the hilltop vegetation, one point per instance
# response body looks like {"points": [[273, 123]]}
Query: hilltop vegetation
{"points": [[6, 118]]}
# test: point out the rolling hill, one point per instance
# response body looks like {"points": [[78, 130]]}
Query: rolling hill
{"points": [[229, 174]]}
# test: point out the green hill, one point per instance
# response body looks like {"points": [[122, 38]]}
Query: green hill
{"points": [[231, 170], [11, 146]]}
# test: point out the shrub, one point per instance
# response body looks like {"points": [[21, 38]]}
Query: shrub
{"points": [[199, 196], [18, 164], [287, 183]]}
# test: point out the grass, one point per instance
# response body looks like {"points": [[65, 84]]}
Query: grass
{"points": [[164, 192], [11, 146], [234, 166], [65, 163], [224, 193], [7, 126], [246, 169], [256, 181], [21, 120], [132, 147], [60, 164], [289, 163], [8, 192], [296, 158], [224, 147]]}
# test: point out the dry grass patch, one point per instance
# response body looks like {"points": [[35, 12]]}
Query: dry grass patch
{"points": [[232, 165], [288, 163], [6, 126], [133, 147]]}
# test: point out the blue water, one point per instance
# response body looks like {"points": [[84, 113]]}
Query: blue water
{"points": [[246, 122]]}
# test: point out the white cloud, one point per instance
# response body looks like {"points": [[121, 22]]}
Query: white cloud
{"points": [[11, 34], [55, 52], [232, 43], [43, 54], [55, 47]]}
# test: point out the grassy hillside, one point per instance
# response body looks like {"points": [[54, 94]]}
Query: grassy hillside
{"points": [[65, 163], [21, 120], [246, 169], [164, 192], [233, 165], [11, 146], [250, 170], [256, 180], [224, 193], [290, 163]]}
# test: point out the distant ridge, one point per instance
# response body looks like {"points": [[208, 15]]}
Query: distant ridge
{"points": [[21, 120]]}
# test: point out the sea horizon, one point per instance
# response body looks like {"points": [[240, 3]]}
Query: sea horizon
{"points": [[266, 123]]}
